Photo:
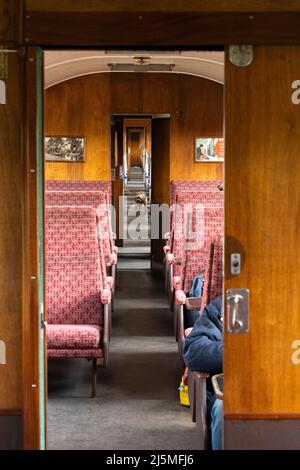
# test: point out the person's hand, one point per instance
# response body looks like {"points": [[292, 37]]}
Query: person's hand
{"points": [[202, 375]]}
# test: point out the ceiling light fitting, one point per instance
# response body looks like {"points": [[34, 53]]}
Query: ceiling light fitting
{"points": [[141, 68]]}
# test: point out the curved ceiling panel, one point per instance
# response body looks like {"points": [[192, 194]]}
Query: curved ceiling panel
{"points": [[65, 65]]}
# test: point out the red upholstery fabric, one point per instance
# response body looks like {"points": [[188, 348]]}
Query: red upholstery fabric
{"points": [[193, 260], [205, 222], [96, 199], [73, 272], [76, 353], [188, 202], [74, 185], [187, 185], [213, 280], [217, 270], [74, 336]]}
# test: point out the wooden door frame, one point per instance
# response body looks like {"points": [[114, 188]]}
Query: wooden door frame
{"points": [[181, 30], [31, 277]]}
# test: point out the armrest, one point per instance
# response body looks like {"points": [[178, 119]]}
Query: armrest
{"points": [[180, 297], [105, 296], [177, 282], [166, 249], [110, 282], [113, 259], [170, 258], [193, 303], [115, 249], [167, 236]]}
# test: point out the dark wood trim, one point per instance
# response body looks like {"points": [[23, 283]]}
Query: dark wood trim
{"points": [[154, 29], [262, 435], [30, 262], [261, 416], [11, 412], [11, 32]]}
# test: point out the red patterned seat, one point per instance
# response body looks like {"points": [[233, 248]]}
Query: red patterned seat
{"points": [[77, 298], [187, 202], [213, 280], [189, 213], [178, 186], [74, 336], [95, 199], [78, 185], [194, 260]]}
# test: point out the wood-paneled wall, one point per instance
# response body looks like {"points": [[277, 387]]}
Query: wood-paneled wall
{"points": [[82, 107], [263, 223], [161, 162], [11, 22], [200, 114], [11, 238]]}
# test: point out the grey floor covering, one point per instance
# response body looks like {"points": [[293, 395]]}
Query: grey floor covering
{"points": [[137, 398]]}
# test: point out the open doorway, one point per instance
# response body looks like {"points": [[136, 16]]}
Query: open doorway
{"points": [[121, 134], [133, 171]]}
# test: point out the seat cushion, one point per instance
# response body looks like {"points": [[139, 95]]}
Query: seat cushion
{"points": [[74, 336]]}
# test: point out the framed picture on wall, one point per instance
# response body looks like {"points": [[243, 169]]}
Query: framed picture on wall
{"points": [[209, 149], [64, 149]]}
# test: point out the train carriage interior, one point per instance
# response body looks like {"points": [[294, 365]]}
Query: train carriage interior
{"points": [[133, 227]]}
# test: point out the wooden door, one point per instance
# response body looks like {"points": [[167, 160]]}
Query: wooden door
{"points": [[262, 222]]}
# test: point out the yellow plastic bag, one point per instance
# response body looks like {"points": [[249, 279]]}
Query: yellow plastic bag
{"points": [[184, 390]]}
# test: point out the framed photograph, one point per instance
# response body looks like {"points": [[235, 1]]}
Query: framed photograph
{"points": [[209, 149], [64, 149]]}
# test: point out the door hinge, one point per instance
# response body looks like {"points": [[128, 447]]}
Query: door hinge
{"points": [[241, 55]]}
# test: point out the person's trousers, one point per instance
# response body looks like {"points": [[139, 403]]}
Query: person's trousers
{"points": [[217, 425]]}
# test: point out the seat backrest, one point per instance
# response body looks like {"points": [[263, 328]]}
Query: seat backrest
{"points": [[190, 201], [203, 214], [206, 229], [73, 270], [188, 185], [216, 288], [78, 185], [213, 279], [95, 199]]}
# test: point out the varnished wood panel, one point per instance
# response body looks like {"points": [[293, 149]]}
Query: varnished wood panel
{"points": [[200, 114], [11, 237], [163, 5], [166, 29], [81, 107], [11, 21], [160, 93], [161, 161], [160, 183], [262, 221], [126, 93]]}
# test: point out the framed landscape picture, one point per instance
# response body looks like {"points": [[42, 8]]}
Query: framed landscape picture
{"points": [[64, 149], [209, 149]]}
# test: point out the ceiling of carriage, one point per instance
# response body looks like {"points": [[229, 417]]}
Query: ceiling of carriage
{"points": [[65, 65]]}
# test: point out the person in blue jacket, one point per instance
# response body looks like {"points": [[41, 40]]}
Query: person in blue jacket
{"points": [[203, 352]]}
